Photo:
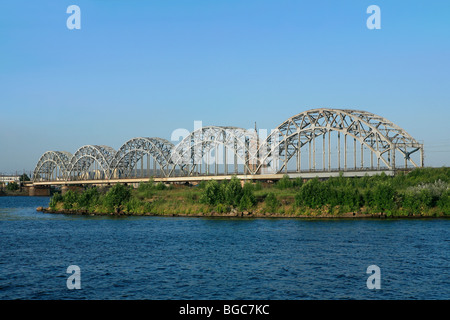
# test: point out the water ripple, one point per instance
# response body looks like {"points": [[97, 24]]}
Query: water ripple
{"points": [[194, 258]]}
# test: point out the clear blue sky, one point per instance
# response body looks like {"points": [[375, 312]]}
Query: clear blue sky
{"points": [[146, 68]]}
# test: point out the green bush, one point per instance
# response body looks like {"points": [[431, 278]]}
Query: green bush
{"points": [[271, 203], [258, 186], [246, 202], [348, 197], [284, 183], [88, 198], [297, 182], [145, 189], [160, 186], [117, 196], [135, 206], [444, 202], [313, 194], [383, 197], [211, 193], [57, 197], [233, 192], [228, 193], [12, 186], [69, 199], [248, 199]]}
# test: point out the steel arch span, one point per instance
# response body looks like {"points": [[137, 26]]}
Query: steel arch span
{"points": [[322, 139], [131, 152], [80, 167], [376, 136], [215, 145], [52, 165]]}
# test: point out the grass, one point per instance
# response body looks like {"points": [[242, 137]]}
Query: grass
{"points": [[422, 192]]}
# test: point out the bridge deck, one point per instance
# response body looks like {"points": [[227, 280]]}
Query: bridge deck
{"points": [[245, 177]]}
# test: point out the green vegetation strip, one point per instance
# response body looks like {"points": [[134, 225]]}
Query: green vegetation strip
{"points": [[421, 192]]}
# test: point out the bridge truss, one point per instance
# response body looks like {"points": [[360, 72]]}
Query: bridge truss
{"points": [[315, 140]]}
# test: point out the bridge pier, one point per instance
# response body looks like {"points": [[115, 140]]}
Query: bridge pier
{"points": [[36, 191], [66, 188]]}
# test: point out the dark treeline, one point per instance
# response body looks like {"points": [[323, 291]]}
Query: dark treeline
{"points": [[424, 191]]}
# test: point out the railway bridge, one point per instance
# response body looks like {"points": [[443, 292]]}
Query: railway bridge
{"points": [[320, 142]]}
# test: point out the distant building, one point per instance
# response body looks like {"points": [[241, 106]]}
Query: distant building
{"points": [[9, 178]]}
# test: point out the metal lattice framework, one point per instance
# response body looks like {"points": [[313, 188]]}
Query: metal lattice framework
{"points": [[198, 147], [320, 135], [133, 151], [380, 136], [52, 165], [82, 160]]}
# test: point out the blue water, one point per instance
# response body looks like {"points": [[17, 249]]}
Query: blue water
{"points": [[218, 258]]}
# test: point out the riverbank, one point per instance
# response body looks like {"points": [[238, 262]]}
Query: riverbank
{"points": [[421, 193], [348, 215], [16, 193]]}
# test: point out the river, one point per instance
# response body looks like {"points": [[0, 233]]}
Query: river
{"points": [[218, 258]]}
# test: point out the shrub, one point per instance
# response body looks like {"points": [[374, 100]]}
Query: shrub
{"points": [[245, 203], [69, 199], [258, 186], [444, 202], [145, 189], [57, 197], [233, 192], [284, 183], [383, 197], [429, 192], [348, 196], [211, 193], [297, 183], [117, 196], [88, 198], [160, 186], [248, 198], [313, 194], [12, 186], [202, 184], [135, 206], [271, 203]]}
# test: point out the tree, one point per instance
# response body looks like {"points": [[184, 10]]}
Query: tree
{"points": [[248, 199], [69, 199], [117, 196], [383, 197], [313, 194], [88, 197], [246, 202], [12, 186], [284, 183], [24, 177], [211, 193], [57, 197], [271, 203], [233, 192], [444, 202]]}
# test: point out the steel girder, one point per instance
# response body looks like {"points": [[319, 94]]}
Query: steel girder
{"points": [[378, 134], [49, 161], [85, 156], [134, 149], [191, 152]]}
